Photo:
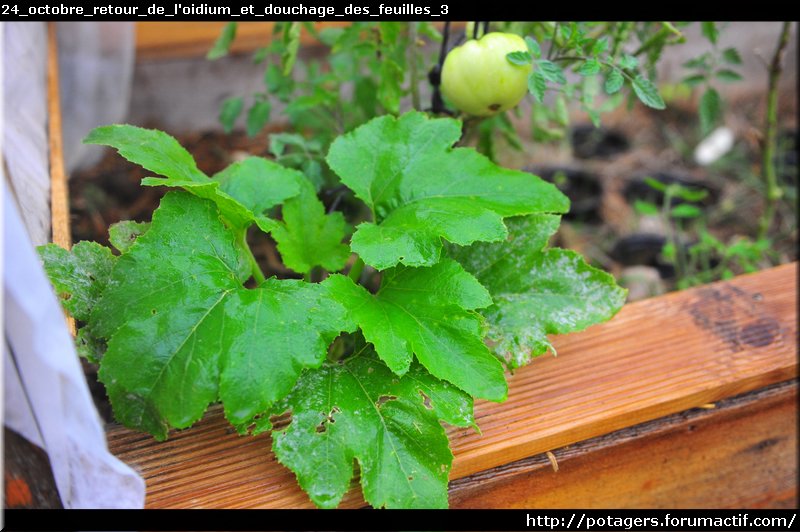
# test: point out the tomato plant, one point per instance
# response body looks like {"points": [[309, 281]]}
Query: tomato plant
{"points": [[479, 80]]}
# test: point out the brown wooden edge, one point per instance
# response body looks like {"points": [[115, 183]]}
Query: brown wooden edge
{"points": [[59, 190], [656, 358], [737, 453]]}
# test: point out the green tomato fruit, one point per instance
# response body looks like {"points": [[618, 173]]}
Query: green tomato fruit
{"points": [[479, 80]]}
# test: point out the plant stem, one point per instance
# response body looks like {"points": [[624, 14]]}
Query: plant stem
{"points": [[412, 65], [255, 269], [773, 190], [356, 269], [553, 42], [655, 39]]}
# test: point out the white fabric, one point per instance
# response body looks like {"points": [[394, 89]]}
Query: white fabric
{"points": [[45, 396], [71, 432]]}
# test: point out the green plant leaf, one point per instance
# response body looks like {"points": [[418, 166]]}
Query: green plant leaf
{"points": [[695, 80], [422, 190], [561, 113], [258, 184], [728, 76], [359, 410], [692, 194], [590, 68], [614, 81], [710, 31], [89, 347], [79, 276], [701, 62], [519, 58], [537, 85], [646, 208], [655, 184], [257, 117], [710, 110], [152, 149], [647, 93], [291, 45], [427, 312], [533, 47], [183, 331], [550, 71], [229, 111], [123, 235], [731, 56], [307, 237], [389, 90], [684, 210], [628, 62], [537, 292], [223, 42], [242, 191], [599, 46]]}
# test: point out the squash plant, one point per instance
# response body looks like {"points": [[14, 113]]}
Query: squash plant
{"points": [[369, 362]]}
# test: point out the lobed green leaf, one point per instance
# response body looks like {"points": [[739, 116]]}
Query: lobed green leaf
{"points": [[537, 292], [427, 312], [359, 410], [422, 190]]}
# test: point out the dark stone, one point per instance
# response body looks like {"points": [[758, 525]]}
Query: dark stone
{"points": [[581, 187], [589, 142]]}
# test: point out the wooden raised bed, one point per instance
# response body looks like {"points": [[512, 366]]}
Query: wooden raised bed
{"points": [[656, 358], [684, 400]]}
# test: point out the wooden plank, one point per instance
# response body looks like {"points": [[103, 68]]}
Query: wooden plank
{"points": [[741, 454], [59, 193], [170, 40], [655, 358]]}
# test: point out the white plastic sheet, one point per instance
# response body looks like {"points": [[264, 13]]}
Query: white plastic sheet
{"points": [[51, 385], [46, 398]]}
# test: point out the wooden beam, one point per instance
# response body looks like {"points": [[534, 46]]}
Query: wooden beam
{"points": [[740, 454], [59, 190], [172, 40], [655, 358]]}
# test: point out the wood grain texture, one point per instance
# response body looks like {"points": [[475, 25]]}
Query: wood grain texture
{"points": [[655, 358], [170, 40], [740, 454], [59, 194]]}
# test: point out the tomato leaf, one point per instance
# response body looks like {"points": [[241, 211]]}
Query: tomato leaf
{"points": [[257, 117], [519, 58], [183, 331], [359, 410], [427, 312], [223, 42], [421, 190], [537, 291], [710, 109], [648, 93], [229, 111], [614, 81]]}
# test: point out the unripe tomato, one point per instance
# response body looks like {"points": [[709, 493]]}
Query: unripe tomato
{"points": [[479, 80]]}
